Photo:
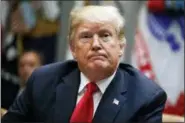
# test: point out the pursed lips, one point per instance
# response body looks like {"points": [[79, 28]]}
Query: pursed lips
{"points": [[97, 56]]}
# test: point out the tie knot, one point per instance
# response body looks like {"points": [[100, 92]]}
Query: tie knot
{"points": [[92, 87]]}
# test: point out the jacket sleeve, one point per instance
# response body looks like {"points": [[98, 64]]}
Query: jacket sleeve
{"points": [[20, 110], [152, 113]]}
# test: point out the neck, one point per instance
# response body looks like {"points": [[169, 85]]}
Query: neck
{"points": [[22, 85], [97, 76], [100, 74]]}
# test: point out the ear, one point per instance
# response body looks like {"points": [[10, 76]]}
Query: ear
{"points": [[72, 48], [122, 46]]}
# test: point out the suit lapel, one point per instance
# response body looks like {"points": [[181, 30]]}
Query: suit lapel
{"points": [[112, 100], [66, 95]]}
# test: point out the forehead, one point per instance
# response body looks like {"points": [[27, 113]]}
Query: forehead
{"points": [[29, 57], [91, 26]]}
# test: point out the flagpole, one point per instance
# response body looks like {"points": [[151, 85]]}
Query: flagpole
{"points": [[62, 42], [130, 10]]}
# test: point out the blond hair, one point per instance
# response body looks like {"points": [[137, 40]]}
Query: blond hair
{"points": [[97, 14]]}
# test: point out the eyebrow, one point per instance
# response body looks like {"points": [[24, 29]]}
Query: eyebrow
{"points": [[103, 30], [85, 30]]}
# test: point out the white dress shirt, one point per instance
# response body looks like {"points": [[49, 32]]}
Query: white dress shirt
{"points": [[102, 86], [20, 91]]}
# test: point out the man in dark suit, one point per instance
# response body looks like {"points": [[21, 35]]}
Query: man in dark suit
{"points": [[27, 62], [95, 87]]}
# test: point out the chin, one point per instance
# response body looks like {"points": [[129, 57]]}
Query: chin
{"points": [[98, 65]]}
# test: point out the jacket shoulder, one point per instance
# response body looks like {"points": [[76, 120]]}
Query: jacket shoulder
{"points": [[54, 69], [139, 83], [44, 80]]}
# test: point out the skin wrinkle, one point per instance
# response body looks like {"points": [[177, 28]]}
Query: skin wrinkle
{"points": [[100, 15], [84, 48], [97, 40]]}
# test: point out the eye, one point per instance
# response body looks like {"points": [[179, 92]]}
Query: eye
{"points": [[105, 36], [85, 36]]}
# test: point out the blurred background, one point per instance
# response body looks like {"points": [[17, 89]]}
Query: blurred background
{"points": [[34, 33]]}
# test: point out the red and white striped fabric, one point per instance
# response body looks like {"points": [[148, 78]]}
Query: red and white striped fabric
{"points": [[155, 58]]}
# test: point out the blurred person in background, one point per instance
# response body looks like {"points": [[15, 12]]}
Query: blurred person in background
{"points": [[27, 63], [36, 24], [27, 25], [95, 87]]}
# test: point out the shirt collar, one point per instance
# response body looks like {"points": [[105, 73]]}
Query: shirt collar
{"points": [[102, 84]]}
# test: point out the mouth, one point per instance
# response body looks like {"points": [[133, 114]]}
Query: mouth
{"points": [[98, 57]]}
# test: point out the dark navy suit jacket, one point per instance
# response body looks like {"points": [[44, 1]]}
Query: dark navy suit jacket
{"points": [[52, 90]]}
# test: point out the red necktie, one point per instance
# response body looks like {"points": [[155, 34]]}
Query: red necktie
{"points": [[84, 109]]}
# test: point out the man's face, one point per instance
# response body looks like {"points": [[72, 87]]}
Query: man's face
{"points": [[96, 47], [27, 63]]}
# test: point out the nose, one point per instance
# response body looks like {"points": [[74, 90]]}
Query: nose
{"points": [[96, 45]]}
